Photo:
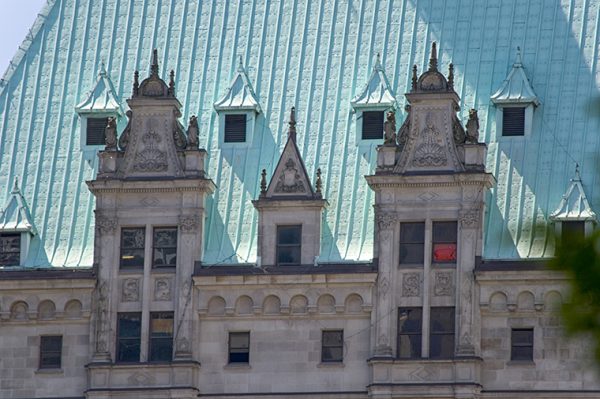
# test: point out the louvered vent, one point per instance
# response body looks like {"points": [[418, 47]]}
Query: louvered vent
{"points": [[95, 131], [235, 128], [513, 121], [372, 125]]}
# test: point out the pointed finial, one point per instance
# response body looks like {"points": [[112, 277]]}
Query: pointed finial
{"points": [[172, 83], [433, 62], [154, 66], [451, 77], [378, 62], [15, 189], [240, 65], [577, 176], [414, 78], [136, 83], [292, 125], [263, 183], [102, 69], [518, 57], [318, 183]]}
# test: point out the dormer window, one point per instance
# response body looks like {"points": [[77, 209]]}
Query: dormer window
{"points": [[94, 131], [513, 121], [235, 128], [10, 249], [372, 125], [16, 229]]}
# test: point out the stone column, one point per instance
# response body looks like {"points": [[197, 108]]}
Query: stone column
{"points": [[384, 323]]}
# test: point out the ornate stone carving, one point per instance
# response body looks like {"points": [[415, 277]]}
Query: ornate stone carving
{"points": [[189, 223], [131, 290], [411, 284], [473, 127], [424, 373], [384, 286], [192, 133], [149, 201], [105, 224], [404, 131], [469, 218], [390, 128], [386, 220], [151, 158], [431, 151], [141, 378], [110, 135], [443, 284], [178, 135], [102, 319], [182, 346], [290, 180], [124, 139], [162, 289], [457, 130]]}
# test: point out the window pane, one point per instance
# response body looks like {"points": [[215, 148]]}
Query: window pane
{"points": [[441, 340], [165, 246], [441, 346], [513, 121], [50, 352], [573, 231], [444, 242], [289, 234], [235, 128], [128, 337], [521, 344], [412, 232], [239, 347], [409, 332], [289, 244], [444, 252], [444, 232], [10, 249], [409, 346], [442, 320], [412, 253], [372, 125], [409, 320], [332, 346], [132, 247]]}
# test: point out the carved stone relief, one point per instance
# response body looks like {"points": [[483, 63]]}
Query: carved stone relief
{"points": [[162, 289], [469, 218], [189, 223], [151, 158], [131, 290], [102, 326], [149, 201], [105, 224], [443, 284], [290, 180], [386, 220], [431, 151], [384, 286], [411, 284]]}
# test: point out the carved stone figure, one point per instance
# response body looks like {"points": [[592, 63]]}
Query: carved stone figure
{"points": [[473, 127], [110, 135], [443, 284], [411, 284], [457, 131], [192, 133], [131, 289], [189, 223], [385, 220], [178, 135], [124, 139], [404, 131], [162, 289], [290, 180], [105, 225], [390, 128]]}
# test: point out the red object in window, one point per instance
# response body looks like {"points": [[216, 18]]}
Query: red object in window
{"points": [[444, 252]]}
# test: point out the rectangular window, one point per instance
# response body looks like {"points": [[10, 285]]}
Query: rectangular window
{"points": [[573, 230], [129, 331], [165, 247], [444, 242], [239, 347], [412, 243], [289, 243], [332, 346], [235, 128], [513, 121], [441, 340], [372, 125], [521, 344], [50, 352], [132, 247], [409, 332], [161, 337], [94, 134], [10, 249]]}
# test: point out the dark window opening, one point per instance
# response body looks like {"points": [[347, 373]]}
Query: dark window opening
{"points": [[50, 352], [441, 340], [444, 242], [372, 125], [132, 247], [165, 247], [239, 347], [409, 332], [573, 231], [412, 243], [161, 337], [10, 249], [521, 344], [513, 121], [289, 243], [129, 330], [94, 134], [332, 346], [235, 128]]}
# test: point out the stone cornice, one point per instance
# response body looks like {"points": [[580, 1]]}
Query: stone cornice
{"points": [[151, 186], [441, 181]]}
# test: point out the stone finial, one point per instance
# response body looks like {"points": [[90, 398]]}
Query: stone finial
{"points": [[451, 77], [16, 189], [473, 127], [414, 78], [318, 183], [518, 62], [110, 134], [433, 62], [390, 128], [192, 133], [240, 67], [292, 125], [154, 66], [171, 90], [136, 83], [263, 183]]}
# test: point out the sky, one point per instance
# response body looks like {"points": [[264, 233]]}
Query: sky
{"points": [[19, 17]]}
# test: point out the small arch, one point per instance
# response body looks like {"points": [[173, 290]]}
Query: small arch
{"points": [[498, 301], [18, 310], [244, 305], [272, 305], [73, 309], [525, 301], [299, 304], [354, 303], [216, 306], [553, 300], [326, 304], [46, 310]]}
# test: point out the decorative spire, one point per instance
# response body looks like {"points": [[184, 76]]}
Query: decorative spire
{"points": [[136, 83], [102, 69], [240, 65], [378, 62], [451, 77], [414, 78], [154, 66], [518, 58], [318, 183], [292, 125], [433, 62], [16, 189], [263, 183], [172, 83]]}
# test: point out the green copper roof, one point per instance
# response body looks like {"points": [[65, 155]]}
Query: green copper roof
{"points": [[316, 55]]}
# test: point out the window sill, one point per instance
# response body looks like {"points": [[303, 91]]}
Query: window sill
{"points": [[521, 363], [331, 365], [49, 371], [237, 366]]}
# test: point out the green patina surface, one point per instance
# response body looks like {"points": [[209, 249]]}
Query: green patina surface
{"points": [[317, 56]]}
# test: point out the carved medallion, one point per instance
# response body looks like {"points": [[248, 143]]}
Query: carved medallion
{"points": [[469, 218], [131, 290], [290, 180], [386, 220], [443, 284], [151, 158], [162, 289], [106, 225], [431, 151], [189, 223], [411, 284]]}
